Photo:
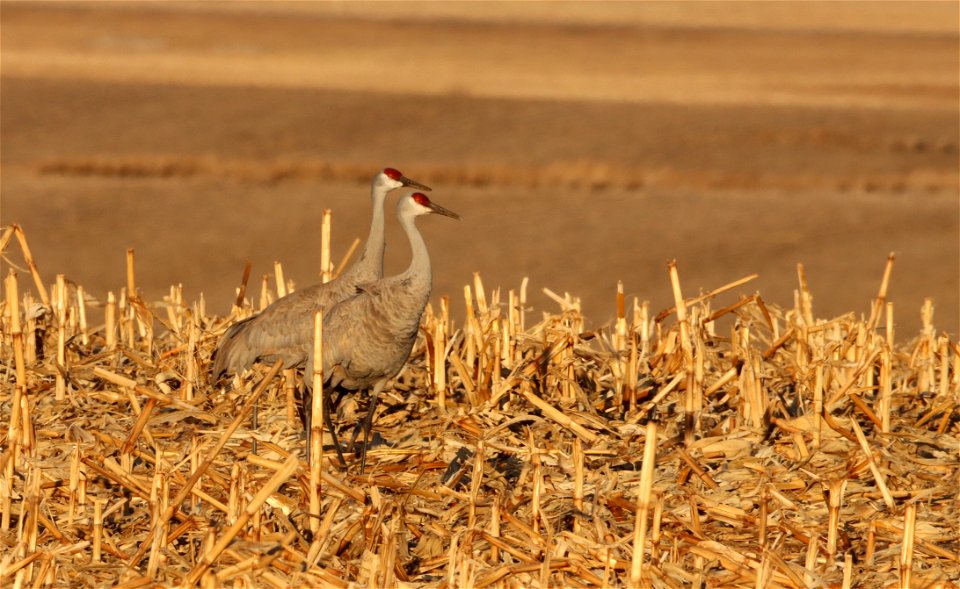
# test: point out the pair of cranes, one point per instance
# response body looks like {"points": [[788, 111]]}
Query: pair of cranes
{"points": [[370, 322]]}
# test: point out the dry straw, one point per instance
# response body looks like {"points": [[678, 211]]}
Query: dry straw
{"points": [[724, 442]]}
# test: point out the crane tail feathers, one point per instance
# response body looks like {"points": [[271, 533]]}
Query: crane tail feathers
{"points": [[228, 357]]}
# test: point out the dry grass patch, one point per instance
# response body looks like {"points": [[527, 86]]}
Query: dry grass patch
{"points": [[725, 442]]}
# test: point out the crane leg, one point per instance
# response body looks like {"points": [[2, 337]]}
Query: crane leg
{"points": [[328, 421], [304, 398], [255, 424], [367, 424], [306, 417], [341, 392]]}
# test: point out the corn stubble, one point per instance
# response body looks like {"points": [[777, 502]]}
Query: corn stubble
{"points": [[723, 442]]}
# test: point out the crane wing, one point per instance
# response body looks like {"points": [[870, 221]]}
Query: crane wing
{"points": [[284, 330]]}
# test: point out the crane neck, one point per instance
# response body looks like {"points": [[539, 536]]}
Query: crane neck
{"points": [[420, 258], [370, 265]]}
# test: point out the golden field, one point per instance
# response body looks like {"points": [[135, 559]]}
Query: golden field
{"points": [[775, 407]]}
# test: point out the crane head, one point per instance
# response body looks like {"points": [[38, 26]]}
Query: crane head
{"points": [[390, 179], [419, 204]]}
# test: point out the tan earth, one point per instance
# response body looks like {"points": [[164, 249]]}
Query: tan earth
{"points": [[583, 144]]}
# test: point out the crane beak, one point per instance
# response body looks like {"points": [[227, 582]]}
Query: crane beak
{"points": [[413, 183], [442, 211]]}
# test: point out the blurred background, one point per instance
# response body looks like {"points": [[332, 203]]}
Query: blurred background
{"points": [[583, 143]]}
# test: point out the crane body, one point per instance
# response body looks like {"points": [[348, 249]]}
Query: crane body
{"points": [[283, 330]]}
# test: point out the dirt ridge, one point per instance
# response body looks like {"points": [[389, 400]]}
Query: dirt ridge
{"points": [[586, 174]]}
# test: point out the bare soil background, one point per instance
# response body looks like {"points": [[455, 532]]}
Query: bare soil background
{"points": [[581, 145]]}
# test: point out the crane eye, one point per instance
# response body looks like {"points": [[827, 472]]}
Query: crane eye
{"points": [[392, 173], [420, 199]]}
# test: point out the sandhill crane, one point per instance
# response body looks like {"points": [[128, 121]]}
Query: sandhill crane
{"points": [[367, 338], [284, 329]]}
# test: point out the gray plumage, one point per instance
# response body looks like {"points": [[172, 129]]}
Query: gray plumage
{"points": [[284, 330]]}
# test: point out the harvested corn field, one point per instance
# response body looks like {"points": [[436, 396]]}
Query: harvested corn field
{"points": [[725, 442]]}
